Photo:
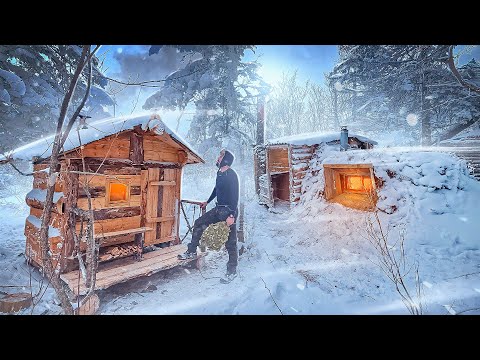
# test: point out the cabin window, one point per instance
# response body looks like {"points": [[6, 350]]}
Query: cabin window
{"points": [[118, 191], [357, 183]]}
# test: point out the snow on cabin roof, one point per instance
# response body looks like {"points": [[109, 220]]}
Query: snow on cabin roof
{"points": [[97, 130], [315, 138]]}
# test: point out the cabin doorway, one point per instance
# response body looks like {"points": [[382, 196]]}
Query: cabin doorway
{"points": [[280, 185], [351, 185]]}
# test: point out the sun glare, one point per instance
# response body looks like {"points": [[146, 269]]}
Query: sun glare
{"points": [[271, 74]]}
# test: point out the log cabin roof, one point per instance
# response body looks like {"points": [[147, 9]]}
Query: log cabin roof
{"points": [[98, 130], [315, 138]]}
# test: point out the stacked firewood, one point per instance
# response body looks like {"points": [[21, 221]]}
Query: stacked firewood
{"points": [[118, 251]]}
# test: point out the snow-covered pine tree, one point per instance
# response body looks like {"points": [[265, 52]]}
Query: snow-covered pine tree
{"points": [[33, 82], [222, 88], [393, 87]]}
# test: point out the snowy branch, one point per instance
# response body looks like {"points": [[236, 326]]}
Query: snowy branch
{"points": [[266, 287], [456, 73]]}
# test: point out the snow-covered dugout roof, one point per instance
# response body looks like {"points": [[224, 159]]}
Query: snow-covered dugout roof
{"points": [[97, 130], [315, 138]]}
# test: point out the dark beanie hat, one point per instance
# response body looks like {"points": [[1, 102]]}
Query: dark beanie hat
{"points": [[227, 159]]}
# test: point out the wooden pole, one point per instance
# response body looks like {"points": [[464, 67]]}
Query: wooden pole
{"points": [[260, 141], [71, 195], [241, 213]]}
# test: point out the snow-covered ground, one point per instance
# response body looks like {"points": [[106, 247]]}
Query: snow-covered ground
{"points": [[312, 259]]}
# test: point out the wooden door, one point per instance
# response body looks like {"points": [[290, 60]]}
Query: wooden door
{"points": [[161, 213]]}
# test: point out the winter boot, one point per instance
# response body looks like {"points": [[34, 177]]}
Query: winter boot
{"points": [[187, 255], [229, 276]]}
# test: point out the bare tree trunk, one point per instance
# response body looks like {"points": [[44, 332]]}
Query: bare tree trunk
{"points": [[335, 108], [260, 120], [425, 117], [59, 140]]}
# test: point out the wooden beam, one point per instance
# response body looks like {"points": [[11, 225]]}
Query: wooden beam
{"points": [[160, 219], [115, 240], [182, 157], [37, 204], [161, 165], [162, 183], [159, 206], [108, 166], [116, 212], [95, 191], [136, 152], [140, 238], [153, 174], [123, 232], [338, 166], [178, 191]]}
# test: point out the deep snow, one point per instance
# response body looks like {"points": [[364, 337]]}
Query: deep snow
{"points": [[312, 259]]}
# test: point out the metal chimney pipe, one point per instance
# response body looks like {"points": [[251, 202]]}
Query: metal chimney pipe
{"points": [[344, 139]]}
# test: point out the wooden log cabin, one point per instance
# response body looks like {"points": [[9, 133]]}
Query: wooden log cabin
{"points": [[132, 169], [281, 164]]}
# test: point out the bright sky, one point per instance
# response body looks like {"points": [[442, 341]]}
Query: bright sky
{"points": [[312, 61]]}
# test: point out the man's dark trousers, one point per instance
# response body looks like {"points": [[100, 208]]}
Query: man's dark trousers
{"points": [[218, 213]]}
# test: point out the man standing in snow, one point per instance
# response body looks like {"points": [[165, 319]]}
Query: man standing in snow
{"points": [[226, 191]]}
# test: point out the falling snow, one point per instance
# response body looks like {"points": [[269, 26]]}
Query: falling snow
{"points": [[412, 119], [314, 258]]}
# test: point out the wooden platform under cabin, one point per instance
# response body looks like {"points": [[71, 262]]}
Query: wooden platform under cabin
{"points": [[122, 270]]}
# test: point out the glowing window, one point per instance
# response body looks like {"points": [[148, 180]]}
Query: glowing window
{"points": [[359, 183], [118, 192]]}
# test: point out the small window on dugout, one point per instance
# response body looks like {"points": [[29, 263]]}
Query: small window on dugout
{"points": [[118, 192]]}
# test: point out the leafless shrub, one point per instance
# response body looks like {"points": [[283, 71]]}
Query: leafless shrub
{"points": [[392, 260]]}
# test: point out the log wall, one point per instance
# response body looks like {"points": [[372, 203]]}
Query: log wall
{"points": [[300, 156], [150, 165]]}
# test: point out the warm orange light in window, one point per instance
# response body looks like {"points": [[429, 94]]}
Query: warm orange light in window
{"points": [[359, 183], [118, 192], [367, 183], [354, 183]]}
